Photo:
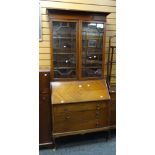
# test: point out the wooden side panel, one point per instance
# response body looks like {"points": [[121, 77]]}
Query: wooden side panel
{"points": [[44, 50], [46, 63], [45, 56], [45, 120], [77, 6], [92, 2], [44, 82], [113, 108]]}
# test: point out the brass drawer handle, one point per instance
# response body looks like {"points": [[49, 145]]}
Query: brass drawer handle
{"points": [[97, 107], [44, 98], [97, 113], [65, 110], [67, 117], [97, 124], [97, 116]]}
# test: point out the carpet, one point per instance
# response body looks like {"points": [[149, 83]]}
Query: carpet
{"points": [[89, 144]]}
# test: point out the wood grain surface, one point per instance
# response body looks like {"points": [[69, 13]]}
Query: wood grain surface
{"points": [[79, 91]]}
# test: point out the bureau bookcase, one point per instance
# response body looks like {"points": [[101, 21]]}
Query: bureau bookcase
{"points": [[80, 98]]}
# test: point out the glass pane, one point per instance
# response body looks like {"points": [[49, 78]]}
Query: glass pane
{"points": [[64, 49], [92, 42], [64, 73], [64, 60], [92, 72]]}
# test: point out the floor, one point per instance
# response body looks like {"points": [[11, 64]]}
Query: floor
{"points": [[89, 144]]}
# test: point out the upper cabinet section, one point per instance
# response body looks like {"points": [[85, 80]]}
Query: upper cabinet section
{"points": [[77, 45]]}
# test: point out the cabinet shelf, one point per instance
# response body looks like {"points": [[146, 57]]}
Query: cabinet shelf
{"points": [[64, 53], [92, 53], [64, 37], [92, 67], [92, 62], [55, 68], [92, 48], [64, 49], [91, 39]]}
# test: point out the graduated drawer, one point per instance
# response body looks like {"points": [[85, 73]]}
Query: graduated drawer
{"points": [[77, 117], [84, 106], [74, 121]]}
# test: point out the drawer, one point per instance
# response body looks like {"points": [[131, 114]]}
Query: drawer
{"points": [[69, 120], [44, 82], [73, 121], [84, 106]]}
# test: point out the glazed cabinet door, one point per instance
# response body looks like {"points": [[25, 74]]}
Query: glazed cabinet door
{"points": [[92, 49], [64, 42]]}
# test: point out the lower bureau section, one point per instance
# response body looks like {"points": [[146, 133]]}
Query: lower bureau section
{"points": [[71, 118]]}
